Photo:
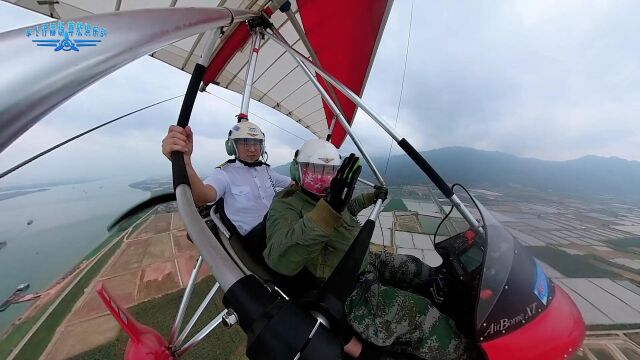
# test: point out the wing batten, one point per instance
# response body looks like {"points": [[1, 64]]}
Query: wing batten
{"points": [[340, 36]]}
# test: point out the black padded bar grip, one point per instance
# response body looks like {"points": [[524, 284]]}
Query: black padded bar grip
{"points": [[179, 170], [343, 278], [249, 298], [425, 167]]}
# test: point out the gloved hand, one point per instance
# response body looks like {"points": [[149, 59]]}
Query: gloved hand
{"points": [[341, 188], [380, 192]]}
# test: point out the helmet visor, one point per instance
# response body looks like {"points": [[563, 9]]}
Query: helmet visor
{"points": [[248, 143], [316, 178]]}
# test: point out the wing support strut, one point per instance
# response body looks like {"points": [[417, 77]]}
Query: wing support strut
{"points": [[334, 108], [417, 158], [256, 39]]}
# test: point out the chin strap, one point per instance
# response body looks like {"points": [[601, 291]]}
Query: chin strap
{"points": [[248, 164]]}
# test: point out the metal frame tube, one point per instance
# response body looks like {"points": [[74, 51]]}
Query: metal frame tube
{"points": [[303, 37], [197, 314], [251, 69], [343, 89], [337, 113], [190, 53], [332, 126], [376, 210], [46, 90], [343, 122], [223, 267], [366, 182], [224, 238], [185, 301], [200, 335], [313, 332], [301, 59], [210, 46]]}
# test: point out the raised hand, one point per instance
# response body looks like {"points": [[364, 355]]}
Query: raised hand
{"points": [[342, 185]]}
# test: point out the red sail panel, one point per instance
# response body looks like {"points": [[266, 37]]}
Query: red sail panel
{"points": [[344, 36], [234, 43], [229, 49]]}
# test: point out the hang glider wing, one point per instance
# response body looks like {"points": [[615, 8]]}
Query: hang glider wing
{"points": [[342, 36]]}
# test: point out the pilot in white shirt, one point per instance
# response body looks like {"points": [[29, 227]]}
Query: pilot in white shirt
{"points": [[247, 189], [246, 183]]}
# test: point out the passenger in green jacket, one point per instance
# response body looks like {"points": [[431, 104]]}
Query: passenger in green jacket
{"points": [[311, 225]]}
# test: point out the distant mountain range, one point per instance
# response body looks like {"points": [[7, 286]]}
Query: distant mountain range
{"points": [[588, 175]]}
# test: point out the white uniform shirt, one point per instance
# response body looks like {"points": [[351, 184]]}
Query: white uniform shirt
{"points": [[247, 192]]}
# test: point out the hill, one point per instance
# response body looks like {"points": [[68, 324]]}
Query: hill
{"points": [[588, 175]]}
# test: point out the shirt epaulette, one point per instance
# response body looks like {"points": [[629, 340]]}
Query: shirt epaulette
{"points": [[225, 163]]}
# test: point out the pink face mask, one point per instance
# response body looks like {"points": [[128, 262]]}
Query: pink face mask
{"points": [[317, 178]]}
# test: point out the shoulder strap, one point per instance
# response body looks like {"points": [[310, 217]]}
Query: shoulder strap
{"points": [[230, 161]]}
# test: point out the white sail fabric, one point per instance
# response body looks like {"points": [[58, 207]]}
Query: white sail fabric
{"points": [[278, 82]]}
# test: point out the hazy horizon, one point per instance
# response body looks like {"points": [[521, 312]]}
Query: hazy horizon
{"points": [[534, 79]]}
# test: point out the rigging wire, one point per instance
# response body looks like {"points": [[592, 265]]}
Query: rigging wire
{"points": [[45, 152], [254, 114], [404, 72]]}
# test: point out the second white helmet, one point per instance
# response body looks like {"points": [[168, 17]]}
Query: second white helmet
{"points": [[315, 165]]}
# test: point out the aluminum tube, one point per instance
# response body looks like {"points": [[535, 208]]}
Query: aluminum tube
{"points": [[220, 225], [223, 268], [185, 301], [303, 37], [343, 122], [200, 335], [251, 69], [466, 214], [338, 114], [190, 53], [210, 46], [39, 79], [376, 210], [348, 93], [197, 314], [313, 331], [356, 99], [333, 125], [225, 241], [366, 182]]}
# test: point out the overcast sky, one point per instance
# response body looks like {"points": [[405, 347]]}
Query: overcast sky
{"points": [[544, 79]]}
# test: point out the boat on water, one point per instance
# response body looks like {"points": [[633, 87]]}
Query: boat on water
{"points": [[14, 296], [3, 244]]}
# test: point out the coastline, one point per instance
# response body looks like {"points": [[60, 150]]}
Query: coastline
{"points": [[38, 308], [6, 195]]}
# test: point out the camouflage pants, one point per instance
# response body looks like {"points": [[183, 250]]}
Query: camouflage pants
{"points": [[384, 312]]}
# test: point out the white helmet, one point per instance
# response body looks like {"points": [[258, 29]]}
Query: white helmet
{"points": [[315, 164], [244, 131]]}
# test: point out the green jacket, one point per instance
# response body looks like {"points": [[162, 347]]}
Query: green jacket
{"points": [[303, 232]]}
